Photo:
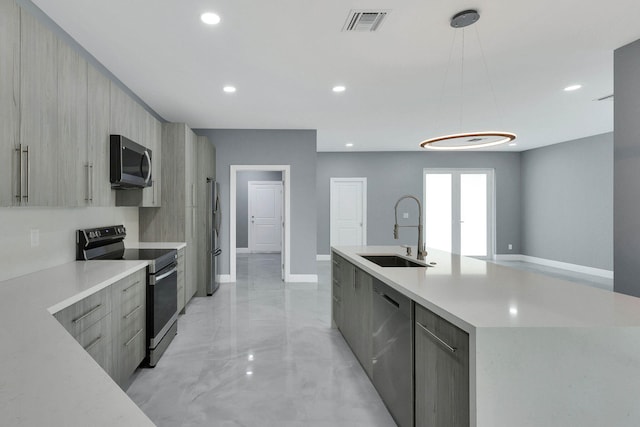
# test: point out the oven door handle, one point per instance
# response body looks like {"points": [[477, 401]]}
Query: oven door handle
{"points": [[168, 273]]}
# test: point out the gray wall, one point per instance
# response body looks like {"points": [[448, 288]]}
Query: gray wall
{"points": [[242, 201], [393, 174], [567, 202], [273, 147], [57, 230], [626, 205]]}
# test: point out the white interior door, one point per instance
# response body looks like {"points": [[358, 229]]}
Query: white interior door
{"points": [[348, 206], [265, 216], [459, 211]]}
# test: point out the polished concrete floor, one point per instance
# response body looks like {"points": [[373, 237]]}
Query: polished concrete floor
{"points": [[260, 352]]}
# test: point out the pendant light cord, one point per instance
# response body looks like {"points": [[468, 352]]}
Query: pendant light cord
{"points": [[461, 83], [439, 113], [486, 69]]}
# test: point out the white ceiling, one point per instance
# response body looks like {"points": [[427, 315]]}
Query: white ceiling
{"points": [[284, 56]]}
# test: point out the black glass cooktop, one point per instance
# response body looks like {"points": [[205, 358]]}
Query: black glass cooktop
{"points": [[145, 254], [160, 258]]}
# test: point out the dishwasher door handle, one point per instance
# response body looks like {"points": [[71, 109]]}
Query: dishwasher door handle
{"points": [[388, 299], [437, 338]]}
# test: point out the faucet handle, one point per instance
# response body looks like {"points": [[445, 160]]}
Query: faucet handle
{"points": [[408, 248]]}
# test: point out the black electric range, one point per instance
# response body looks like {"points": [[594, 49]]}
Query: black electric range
{"points": [[107, 243]]}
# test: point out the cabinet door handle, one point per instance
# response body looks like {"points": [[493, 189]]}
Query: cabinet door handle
{"points": [[127, 289], [91, 181], [388, 299], [88, 313], [132, 338], [132, 312], [18, 149], [437, 338], [88, 197], [93, 343], [26, 196]]}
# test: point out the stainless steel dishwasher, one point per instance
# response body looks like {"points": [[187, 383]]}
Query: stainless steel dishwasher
{"points": [[392, 355]]}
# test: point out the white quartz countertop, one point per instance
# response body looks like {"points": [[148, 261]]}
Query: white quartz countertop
{"points": [[46, 377], [477, 294], [156, 245]]}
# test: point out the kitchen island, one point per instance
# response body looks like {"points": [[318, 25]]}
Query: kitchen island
{"points": [[541, 351]]}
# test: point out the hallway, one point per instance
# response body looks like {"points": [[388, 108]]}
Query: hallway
{"points": [[260, 352]]}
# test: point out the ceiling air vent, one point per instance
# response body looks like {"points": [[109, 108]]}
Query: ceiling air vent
{"points": [[364, 20]]}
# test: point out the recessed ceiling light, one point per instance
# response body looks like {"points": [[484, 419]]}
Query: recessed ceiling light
{"points": [[349, 144], [572, 88], [210, 18], [229, 89], [339, 88]]}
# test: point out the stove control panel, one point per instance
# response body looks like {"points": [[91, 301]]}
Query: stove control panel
{"points": [[90, 235]]}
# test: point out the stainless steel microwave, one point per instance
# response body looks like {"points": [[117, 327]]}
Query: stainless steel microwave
{"points": [[130, 164]]}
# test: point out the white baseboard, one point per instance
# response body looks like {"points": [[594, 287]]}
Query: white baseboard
{"points": [[224, 278], [242, 250], [607, 274], [323, 257], [508, 257], [302, 278]]}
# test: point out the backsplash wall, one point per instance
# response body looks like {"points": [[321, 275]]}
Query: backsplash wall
{"points": [[56, 228]]}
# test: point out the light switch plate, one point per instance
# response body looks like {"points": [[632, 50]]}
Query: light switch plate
{"points": [[405, 215]]}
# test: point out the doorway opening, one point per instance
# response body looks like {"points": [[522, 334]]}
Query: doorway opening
{"points": [[459, 211], [269, 233]]}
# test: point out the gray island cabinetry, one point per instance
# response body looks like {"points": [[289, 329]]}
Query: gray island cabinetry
{"points": [[441, 371], [491, 346], [353, 309]]}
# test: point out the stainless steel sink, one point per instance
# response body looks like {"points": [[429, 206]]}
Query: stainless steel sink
{"points": [[392, 261]]}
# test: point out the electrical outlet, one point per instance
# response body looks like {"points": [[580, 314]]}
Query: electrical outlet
{"points": [[35, 238], [405, 215], [510, 246]]}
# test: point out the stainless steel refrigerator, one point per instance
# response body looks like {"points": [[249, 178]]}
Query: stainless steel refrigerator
{"points": [[214, 220]]}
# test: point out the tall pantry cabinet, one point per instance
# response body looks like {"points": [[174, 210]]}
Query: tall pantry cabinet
{"points": [[180, 219]]}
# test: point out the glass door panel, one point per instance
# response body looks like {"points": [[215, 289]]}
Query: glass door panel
{"points": [[473, 214], [438, 220]]}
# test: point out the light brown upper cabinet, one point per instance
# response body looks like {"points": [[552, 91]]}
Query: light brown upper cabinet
{"points": [[99, 190], [40, 152], [57, 112], [9, 101], [73, 168]]}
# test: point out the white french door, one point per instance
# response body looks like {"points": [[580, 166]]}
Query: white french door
{"points": [[459, 211]]}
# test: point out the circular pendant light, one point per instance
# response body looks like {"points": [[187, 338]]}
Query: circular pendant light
{"points": [[468, 140], [464, 141]]}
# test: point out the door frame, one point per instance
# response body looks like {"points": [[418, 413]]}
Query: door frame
{"points": [[286, 242], [491, 203], [332, 182], [279, 183]]}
